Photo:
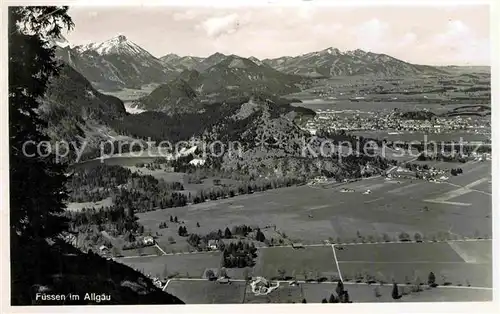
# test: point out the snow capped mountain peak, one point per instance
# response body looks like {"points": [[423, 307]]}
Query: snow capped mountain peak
{"points": [[334, 51], [119, 44], [357, 52]]}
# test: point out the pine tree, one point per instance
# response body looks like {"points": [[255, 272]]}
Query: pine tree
{"points": [[332, 298], [227, 233], [324, 300], [432, 279], [395, 291], [340, 288], [37, 184]]}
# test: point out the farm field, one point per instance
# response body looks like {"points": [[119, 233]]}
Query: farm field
{"points": [[477, 275], [183, 265], [312, 214], [314, 293], [301, 263], [473, 252], [149, 250], [405, 262], [398, 253], [207, 292]]}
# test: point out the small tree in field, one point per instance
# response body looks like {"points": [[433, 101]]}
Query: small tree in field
{"points": [[210, 274], [431, 279], [304, 301], [324, 300], [282, 273], [417, 237], [386, 237], [395, 291], [404, 237], [340, 288], [332, 299]]}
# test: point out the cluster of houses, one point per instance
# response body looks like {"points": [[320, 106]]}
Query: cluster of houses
{"points": [[355, 120]]}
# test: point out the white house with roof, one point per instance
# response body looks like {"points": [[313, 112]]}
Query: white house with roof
{"points": [[148, 240]]}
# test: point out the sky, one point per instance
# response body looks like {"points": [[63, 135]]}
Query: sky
{"points": [[433, 35]]}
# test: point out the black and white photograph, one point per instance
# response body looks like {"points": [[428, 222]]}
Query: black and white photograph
{"points": [[248, 154]]}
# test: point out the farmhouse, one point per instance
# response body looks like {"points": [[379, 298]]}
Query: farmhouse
{"points": [[213, 244], [148, 240]]}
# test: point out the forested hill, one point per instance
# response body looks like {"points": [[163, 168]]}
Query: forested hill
{"points": [[161, 126], [73, 108]]}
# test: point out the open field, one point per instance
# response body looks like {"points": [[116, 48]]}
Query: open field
{"points": [[207, 292], [145, 251], [314, 214], [314, 293], [473, 252], [185, 265], [477, 275], [399, 252], [302, 263], [405, 262]]}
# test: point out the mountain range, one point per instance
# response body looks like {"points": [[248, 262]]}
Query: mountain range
{"points": [[332, 62], [119, 63], [115, 64]]}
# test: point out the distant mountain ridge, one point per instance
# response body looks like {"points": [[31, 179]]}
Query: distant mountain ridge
{"points": [[119, 63], [325, 63], [332, 62]]}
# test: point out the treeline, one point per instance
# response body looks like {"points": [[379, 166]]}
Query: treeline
{"points": [[239, 255], [89, 184], [441, 157], [177, 127], [201, 242], [148, 200], [122, 219]]}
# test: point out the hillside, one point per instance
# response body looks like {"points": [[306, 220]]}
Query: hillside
{"points": [[175, 96], [72, 106], [54, 267], [332, 62], [115, 64], [177, 127]]}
